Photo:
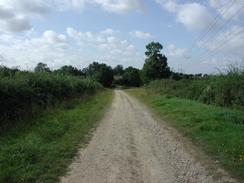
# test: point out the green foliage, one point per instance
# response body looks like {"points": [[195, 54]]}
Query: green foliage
{"points": [[131, 77], [153, 48], [216, 130], [69, 70], [118, 70], [156, 66], [223, 90], [101, 73], [42, 149], [7, 72], [25, 94], [41, 67]]}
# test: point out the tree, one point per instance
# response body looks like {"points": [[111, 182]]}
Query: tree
{"points": [[118, 70], [41, 67], [131, 77], [7, 72], [101, 73], [155, 66], [70, 70]]}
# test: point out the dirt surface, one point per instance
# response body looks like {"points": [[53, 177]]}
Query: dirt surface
{"points": [[131, 146]]}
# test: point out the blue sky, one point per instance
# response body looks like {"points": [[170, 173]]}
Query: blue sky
{"points": [[78, 32]]}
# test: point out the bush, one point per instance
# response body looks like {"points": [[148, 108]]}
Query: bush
{"points": [[25, 94], [131, 77], [225, 90], [101, 73]]}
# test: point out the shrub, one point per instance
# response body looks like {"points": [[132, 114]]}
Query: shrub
{"points": [[225, 90], [25, 94]]}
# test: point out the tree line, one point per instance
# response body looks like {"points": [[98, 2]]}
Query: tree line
{"points": [[155, 67]]}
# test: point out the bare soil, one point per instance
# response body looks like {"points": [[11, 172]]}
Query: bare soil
{"points": [[132, 146]]}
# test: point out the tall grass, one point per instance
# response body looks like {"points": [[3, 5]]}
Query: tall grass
{"points": [[42, 149], [225, 90], [24, 94]]}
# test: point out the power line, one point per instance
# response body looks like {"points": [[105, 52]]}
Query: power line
{"points": [[222, 44], [223, 40], [218, 18], [223, 25], [212, 24]]}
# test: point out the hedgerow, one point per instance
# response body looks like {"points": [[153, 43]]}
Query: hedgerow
{"points": [[225, 90], [24, 94]]}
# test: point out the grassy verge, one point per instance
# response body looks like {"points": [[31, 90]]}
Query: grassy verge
{"points": [[217, 131], [42, 150]]}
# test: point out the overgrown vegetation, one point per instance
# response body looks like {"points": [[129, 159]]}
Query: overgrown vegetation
{"points": [[129, 77], [226, 90], [216, 130], [25, 94], [42, 149], [102, 73]]}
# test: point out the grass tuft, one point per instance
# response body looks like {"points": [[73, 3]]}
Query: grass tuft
{"points": [[41, 150]]}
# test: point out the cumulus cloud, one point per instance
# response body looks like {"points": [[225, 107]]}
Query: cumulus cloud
{"points": [[15, 24], [109, 31], [228, 42], [108, 47], [119, 6], [16, 15], [11, 22], [51, 48], [141, 35], [194, 16], [48, 41], [228, 9], [74, 47], [176, 52]]}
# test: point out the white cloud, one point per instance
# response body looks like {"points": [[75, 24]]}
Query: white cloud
{"points": [[15, 24], [49, 41], [11, 22], [16, 15], [52, 38], [141, 35], [51, 48], [109, 31], [173, 51], [5, 13], [74, 47], [67, 5], [194, 16], [119, 6], [228, 42], [107, 47], [33, 7], [228, 9]]}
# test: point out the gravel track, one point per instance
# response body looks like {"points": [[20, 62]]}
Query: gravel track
{"points": [[131, 146]]}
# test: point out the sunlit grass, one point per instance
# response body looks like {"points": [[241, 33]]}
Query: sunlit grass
{"points": [[42, 149], [217, 131]]}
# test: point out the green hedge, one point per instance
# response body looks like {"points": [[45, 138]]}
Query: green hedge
{"points": [[25, 93]]}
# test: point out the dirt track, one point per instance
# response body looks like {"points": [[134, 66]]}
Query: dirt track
{"points": [[130, 146]]}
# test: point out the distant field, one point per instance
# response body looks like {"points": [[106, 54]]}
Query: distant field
{"points": [[42, 149], [217, 131]]}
